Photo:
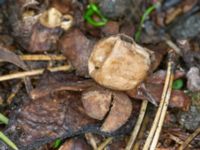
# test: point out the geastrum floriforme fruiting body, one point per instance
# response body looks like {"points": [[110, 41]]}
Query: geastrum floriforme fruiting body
{"points": [[118, 63]]}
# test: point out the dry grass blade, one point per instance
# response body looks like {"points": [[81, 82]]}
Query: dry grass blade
{"points": [[189, 139], [33, 72], [138, 125], [153, 136], [162, 115], [105, 143]]}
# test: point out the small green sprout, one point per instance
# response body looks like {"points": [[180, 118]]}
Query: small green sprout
{"points": [[3, 119], [6, 140], [177, 84], [3, 137], [57, 143], [147, 12], [91, 10]]}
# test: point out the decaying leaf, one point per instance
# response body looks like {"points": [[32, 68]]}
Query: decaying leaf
{"points": [[96, 102], [77, 48], [117, 62], [60, 114], [119, 114], [22, 19]]}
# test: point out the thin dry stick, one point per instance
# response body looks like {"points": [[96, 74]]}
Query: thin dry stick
{"points": [[33, 72], [189, 139], [41, 57], [105, 143], [162, 116], [158, 114], [137, 126], [141, 132]]}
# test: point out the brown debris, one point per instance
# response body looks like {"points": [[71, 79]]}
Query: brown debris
{"points": [[111, 28], [44, 39], [119, 63], [77, 48], [159, 76], [75, 144], [119, 114], [96, 102], [153, 92]]}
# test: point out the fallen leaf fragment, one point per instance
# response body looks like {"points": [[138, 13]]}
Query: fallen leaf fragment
{"points": [[77, 48], [119, 114], [96, 102], [118, 63], [153, 92]]}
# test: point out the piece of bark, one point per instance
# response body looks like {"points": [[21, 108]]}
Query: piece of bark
{"points": [[77, 48], [96, 102], [75, 144], [119, 114]]}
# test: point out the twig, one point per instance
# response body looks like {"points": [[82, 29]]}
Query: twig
{"points": [[8, 141], [105, 143], [152, 139], [15, 90], [138, 125], [189, 139], [40, 57], [3, 119], [33, 72], [173, 46]]}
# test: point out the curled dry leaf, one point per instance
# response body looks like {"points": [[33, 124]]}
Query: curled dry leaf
{"points": [[96, 102], [117, 62], [77, 48], [119, 114]]}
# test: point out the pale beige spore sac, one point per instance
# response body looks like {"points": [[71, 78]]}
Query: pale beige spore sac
{"points": [[118, 63]]}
